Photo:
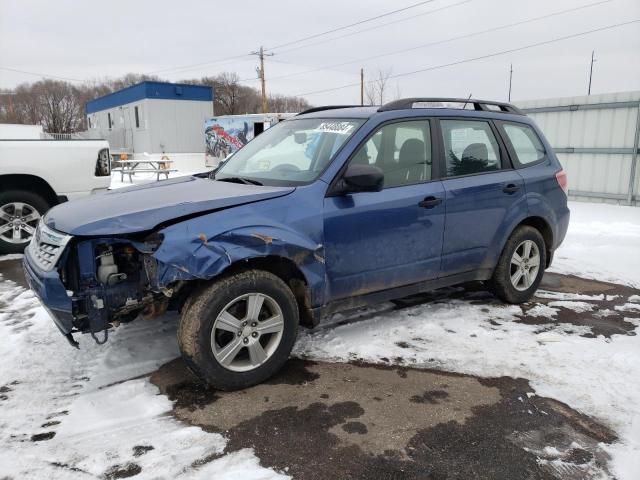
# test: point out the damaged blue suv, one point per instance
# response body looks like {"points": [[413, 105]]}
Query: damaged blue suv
{"points": [[334, 209]]}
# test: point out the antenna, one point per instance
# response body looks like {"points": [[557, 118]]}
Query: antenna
{"points": [[465, 103], [593, 59], [510, 78]]}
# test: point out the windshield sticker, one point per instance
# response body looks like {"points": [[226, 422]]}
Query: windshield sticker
{"points": [[263, 165], [342, 128]]}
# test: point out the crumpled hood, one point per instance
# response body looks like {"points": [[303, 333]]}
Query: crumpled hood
{"points": [[141, 208]]}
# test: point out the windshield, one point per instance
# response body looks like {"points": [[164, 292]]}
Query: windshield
{"points": [[293, 152]]}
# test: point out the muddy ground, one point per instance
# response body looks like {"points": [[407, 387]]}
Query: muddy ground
{"points": [[319, 420]]}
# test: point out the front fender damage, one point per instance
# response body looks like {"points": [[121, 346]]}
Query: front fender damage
{"points": [[152, 272], [186, 254]]}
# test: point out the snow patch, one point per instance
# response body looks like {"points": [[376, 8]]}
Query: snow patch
{"points": [[68, 413]]}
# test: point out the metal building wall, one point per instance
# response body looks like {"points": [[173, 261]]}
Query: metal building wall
{"points": [[176, 125], [596, 138], [165, 125]]}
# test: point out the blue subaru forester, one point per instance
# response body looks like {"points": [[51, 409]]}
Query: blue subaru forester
{"points": [[334, 209]]}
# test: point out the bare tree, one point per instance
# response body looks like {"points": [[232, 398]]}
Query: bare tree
{"points": [[228, 92], [287, 104], [59, 106], [20, 106], [61, 110], [376, 90]]}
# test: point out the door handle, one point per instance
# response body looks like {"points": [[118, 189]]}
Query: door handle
{"points": [[430, 202], [511, 188]]}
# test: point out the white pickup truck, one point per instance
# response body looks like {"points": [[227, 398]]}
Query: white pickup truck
{"points": [[37, 173]]}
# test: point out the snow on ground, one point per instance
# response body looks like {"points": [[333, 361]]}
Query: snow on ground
{"points": [[602, 243], [185, 163], [105, 415], [96, 402], [597, 376], [12, 256]]}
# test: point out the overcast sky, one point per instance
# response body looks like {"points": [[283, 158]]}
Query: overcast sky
{"points": [[88, 39]]}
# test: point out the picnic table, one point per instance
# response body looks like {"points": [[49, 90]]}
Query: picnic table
{"points": [[131, 167]]}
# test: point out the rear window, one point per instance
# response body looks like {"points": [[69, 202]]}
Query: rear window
{"points": [[525, 142]]}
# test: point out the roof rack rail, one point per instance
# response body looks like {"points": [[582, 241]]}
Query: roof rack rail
{"points": [[480, 105], [327, 107]]}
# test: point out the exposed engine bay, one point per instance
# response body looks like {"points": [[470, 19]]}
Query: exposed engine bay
{"points": [[116, 286]]}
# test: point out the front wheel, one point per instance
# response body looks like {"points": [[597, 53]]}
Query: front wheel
{"points": [[239, 331], [521, 266]]}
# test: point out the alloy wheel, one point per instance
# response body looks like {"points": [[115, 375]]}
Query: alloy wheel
{"points": [[18, 222], [247, 332], [525, 264]]}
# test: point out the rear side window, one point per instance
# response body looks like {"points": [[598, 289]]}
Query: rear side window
{"points": [[525, 142], [401, 150], [470, 147]]}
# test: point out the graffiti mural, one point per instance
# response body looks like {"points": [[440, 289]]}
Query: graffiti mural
{"points": [[226, 135]]}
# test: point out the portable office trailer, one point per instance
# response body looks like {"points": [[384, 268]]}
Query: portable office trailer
{"points": [[152, 117], [596, 139]]}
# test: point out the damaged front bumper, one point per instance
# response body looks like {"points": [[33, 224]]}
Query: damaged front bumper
{"points": [[64, 276], [53, 295]]}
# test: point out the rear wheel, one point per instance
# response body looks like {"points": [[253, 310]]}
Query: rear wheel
{"points": [[20, 212], [521, 266], [239, 331]]}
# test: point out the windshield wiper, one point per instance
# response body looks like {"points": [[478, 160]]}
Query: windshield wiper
{"points": [[244, 180]]}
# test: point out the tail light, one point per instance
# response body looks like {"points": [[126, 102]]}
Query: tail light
{"points": [[103, 163], [561, 177]]}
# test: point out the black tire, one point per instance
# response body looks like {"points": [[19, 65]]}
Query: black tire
{"points": [[199, 315], [22, 196], [500, 283]]}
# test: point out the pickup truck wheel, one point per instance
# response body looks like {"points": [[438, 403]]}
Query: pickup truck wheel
{"points": [[521, 266], [20, 212], [239, 331]]}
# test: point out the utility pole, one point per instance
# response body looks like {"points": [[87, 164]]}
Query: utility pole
{"points": [[510, 78], [260, 53], [591, 71], [361, 86]]}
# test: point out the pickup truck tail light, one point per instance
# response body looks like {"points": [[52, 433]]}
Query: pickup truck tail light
{"points": [[561, 177], [103, 163]]}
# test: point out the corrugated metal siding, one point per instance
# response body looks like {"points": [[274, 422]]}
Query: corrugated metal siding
{"points": [[604, 175]]}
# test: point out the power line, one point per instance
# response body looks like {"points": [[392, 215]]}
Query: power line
{"points": [[344, 27], [42, 75], [330, 67], [235, 57], [192, 66], [481, 57], [375, 27], [255, 78], [440, 42]]}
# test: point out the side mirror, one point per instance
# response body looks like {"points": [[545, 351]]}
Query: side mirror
{"points": [[362, 178]]}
